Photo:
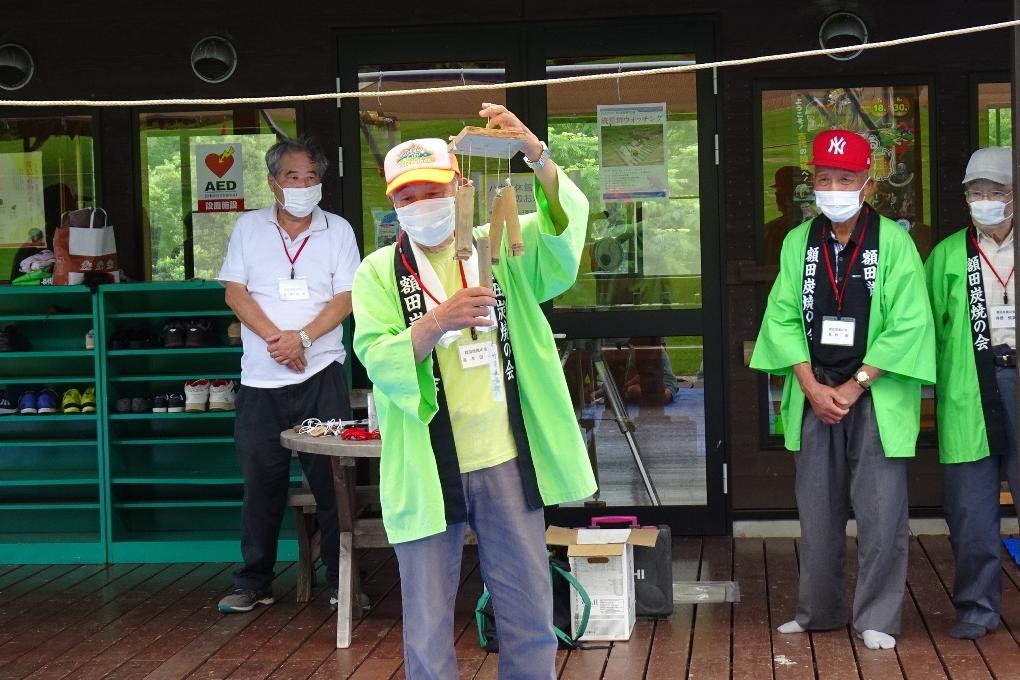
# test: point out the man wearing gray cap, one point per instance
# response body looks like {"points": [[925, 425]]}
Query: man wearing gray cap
{"points": [[972, 289]]}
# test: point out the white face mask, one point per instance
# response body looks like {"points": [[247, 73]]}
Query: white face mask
{"points": [[429, 221], [300, 201], [988, 213], [840, 206]]}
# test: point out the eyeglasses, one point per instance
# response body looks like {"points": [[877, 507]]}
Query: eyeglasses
{"points": [[976, 195]]}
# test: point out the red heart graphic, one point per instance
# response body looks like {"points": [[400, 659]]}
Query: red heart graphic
{"points": [[218, 164]]}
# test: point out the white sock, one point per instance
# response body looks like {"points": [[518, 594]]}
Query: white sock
{"points": [[874, 639], [790, 627]]}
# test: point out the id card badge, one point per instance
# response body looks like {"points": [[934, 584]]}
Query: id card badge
{"points": [[293, 289], [475, 354], [838, 331], [1002, 316]]}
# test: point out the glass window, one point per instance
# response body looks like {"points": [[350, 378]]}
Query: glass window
{"points": [[995, 115], [47, 167], [388, 121], [187, 223], [632, 147], [895, 120], [640, 403]]}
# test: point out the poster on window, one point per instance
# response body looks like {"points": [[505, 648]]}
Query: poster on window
{"points": [[220, 173], [22, 219], [632, 152], [523, 184]]}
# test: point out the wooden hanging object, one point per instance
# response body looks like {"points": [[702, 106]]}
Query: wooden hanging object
{"points": [[464, 207], [512, 220], [483, 244]]}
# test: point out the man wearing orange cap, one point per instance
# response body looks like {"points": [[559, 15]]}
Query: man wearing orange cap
{"points": [[848, 326], [476, 421]]}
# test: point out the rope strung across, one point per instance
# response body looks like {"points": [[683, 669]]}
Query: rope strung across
{"points": [[726, 63]]}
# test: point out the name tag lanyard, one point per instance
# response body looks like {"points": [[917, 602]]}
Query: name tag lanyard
{"points": [[292, 260], [840, 291], [1004, 284], [417, 279]]}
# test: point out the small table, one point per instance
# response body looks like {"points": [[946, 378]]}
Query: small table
{"points": [[343, 455]]}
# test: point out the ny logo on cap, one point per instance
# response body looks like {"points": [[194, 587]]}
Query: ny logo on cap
{"points": [[837, 145]]}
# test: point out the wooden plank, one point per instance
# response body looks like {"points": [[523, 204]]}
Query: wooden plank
{"points": [[791, 654], [915, 649], [960, 658], [671, 644], [627, 660], [18, 573], [872, 664], [752, 639], [186, 657], [14, 605], [38, 644], [101, 653], [12, 594], [319, 650], [710, 648], [998, 647], [58, 601]]}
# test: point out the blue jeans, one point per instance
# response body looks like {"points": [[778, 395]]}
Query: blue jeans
{"points": [[515, 568]]}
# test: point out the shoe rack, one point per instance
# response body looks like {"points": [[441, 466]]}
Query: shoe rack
{"points": [[175, 484], [53, 491]]}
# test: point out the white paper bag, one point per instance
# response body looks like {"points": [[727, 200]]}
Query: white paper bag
{"points": [[92, 241]]}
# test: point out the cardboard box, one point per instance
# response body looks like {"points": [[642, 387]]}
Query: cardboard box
{"points": [[602, 560]]}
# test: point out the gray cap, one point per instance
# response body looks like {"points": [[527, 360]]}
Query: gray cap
{"points": [[994, 163]]}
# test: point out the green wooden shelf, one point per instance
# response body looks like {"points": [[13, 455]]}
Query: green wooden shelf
{"points": [[48, 354], [165, 377], [170, 441], [180, 351], [32, 443], [48, 477], [5, 318], [44, 417], [48, 379], [50, 505], [203, 477], [172, 416], [195, 503], [171, 314]]}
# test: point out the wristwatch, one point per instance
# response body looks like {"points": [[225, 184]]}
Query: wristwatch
{"points": [[539, 163], [306, 341], [863, 379]]}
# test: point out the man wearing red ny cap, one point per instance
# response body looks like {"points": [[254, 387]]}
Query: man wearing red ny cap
{"points": [[848, 326]]}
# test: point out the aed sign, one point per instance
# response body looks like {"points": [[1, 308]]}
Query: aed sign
{"points": [[220, 175]]}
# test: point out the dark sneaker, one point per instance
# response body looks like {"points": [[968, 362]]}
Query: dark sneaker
{"points": [[159, 403], [12, 340], [173, 334], [141, 405], [175, 403], [49, 402], [28, 402], [141, 338], [6, 405], [199, 333], [123, 405], [244, 600], [120, 339]]}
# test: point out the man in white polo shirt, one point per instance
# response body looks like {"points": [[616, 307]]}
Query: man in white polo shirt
{"points": [[288, 275]]}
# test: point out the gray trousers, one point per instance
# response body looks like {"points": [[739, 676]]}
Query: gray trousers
{"points": [[838, 466], [972, 512]]}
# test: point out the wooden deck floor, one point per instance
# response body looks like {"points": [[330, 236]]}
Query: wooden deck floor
{"points": [[160, 621]]}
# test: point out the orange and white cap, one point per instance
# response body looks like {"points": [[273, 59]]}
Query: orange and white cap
{"points": [[419, 160]]}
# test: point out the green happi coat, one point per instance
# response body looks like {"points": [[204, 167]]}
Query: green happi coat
{"points": [[900, 337], [961, 420], [405, 392]]}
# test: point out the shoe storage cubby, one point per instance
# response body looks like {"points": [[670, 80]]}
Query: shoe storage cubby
{"points": [[52, 466], [174, 481]]}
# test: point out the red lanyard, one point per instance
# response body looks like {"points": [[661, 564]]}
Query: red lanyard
{"points": [[840, 291], [1005, 291], [417, 279], [286, 252]]}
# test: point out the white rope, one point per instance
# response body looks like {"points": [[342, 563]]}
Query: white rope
{"points": [[519, 84]]}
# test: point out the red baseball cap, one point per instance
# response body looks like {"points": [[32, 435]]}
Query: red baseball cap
{"points": [[843, 149]]}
